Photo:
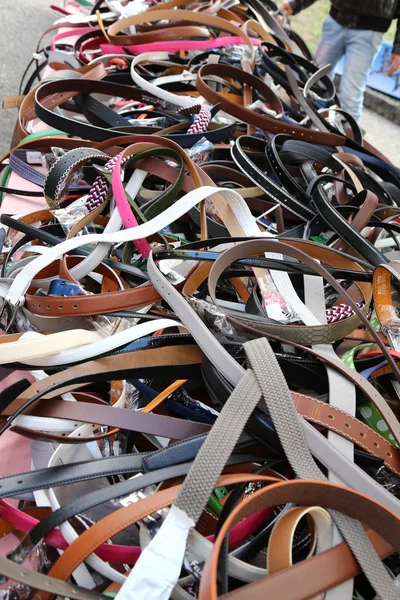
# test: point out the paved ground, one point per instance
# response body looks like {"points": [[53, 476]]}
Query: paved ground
{"points": [[383, 134], [24, 20]]}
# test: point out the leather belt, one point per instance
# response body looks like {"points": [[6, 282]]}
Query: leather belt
{"points": [[320, 413], [158, 246], [262, 121], [199, 18], [102, 370], [271, 189], [232, 371], [329, 495], [85, 502], [296, 333]]}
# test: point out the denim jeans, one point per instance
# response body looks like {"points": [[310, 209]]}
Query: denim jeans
{"points": [[359, 47]]}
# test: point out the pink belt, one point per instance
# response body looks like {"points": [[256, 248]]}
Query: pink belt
{"points": [[175, 46], [116, 552], [124, 209], [70, 33]]}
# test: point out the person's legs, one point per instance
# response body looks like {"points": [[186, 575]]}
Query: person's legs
{"points": [[331, 44], [361, 47]]}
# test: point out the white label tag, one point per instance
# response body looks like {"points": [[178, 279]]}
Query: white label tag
{"points": [[34, 158], [274, 311], [176, 270], [157, 571]]}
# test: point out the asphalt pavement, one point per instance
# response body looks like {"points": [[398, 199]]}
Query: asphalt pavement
{"points": [[23, 22]]}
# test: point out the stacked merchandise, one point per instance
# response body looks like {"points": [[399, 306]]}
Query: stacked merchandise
{"points": [[200, 382]]}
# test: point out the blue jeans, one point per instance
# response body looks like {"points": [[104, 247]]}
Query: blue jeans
{"points": [[359, 47]]}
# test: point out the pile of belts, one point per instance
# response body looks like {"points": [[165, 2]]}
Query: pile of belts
{"points": [[200, 382]]}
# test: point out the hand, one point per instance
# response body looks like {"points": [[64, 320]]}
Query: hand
{"points": [[286, 8], [393, 65]]}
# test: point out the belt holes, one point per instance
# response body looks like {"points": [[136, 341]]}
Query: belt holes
{"points": [[347, 424], [20, 482], [362, 434], [60, 307], [75, 306], [389, 454], [48, 307], [376, 444], [330, 416], [23, 574]]}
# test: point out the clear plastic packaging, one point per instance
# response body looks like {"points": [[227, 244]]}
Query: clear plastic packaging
{"points": [[54, 154], [69, 216], [388, 481], [161, 122], [201, 150], [9, 241], [22, 323], [273, 302], [151, 524], [132, 396], [200, 153], [176, 270], [182, 397], [211, 316], [393, 334], [238, 52], [109, 325], [259, 107], [135, 7], [35, 558]]}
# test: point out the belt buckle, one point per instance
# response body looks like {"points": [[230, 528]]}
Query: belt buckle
{"points": [[152, 522]]}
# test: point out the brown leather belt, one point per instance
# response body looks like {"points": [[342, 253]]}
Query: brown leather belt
{"points": [[255, 119]]}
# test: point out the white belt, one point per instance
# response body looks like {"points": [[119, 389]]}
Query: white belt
{"points": [[235, 214], [182, 101], [45, 346], [98, 347]]}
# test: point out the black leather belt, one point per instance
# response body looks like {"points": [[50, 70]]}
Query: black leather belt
{"points": [[88, 501], [339, 224], [261, 179], [99, 134]]}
